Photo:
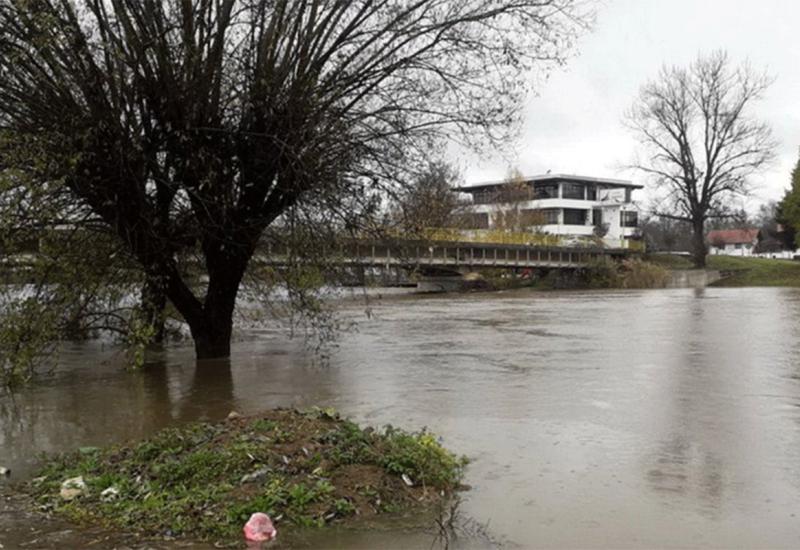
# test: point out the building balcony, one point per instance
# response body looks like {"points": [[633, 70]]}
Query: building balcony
{"points": [[539, 204], [559, 229]]}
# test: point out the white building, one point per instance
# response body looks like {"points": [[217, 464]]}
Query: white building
{"points": [[565, 205], [733, 242]]}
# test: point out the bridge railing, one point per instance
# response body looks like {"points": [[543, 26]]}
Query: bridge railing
{"points": [[411, 253]]}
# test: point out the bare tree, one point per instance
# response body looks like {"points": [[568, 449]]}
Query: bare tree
{"points": [[701, 142], [430, 201], [196, 125], [510, 215]]}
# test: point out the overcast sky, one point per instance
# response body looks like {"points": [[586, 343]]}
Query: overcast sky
{"points": [[575, 125]]}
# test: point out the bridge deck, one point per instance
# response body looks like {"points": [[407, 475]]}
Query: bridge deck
{"points": [[455, 254], [410, 254]]}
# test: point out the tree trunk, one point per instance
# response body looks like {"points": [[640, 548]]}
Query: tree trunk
{"points": [[211, 321], [699, 250], [154, 300], [213, 328], [213, 339]]}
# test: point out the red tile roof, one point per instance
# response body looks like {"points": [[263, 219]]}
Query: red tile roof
{"points": [[732, 236]]}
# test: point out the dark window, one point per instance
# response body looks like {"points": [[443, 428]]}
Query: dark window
{"points": [[591, 193], [513, 192], [484, 197], [574, 216], [628, 194], [546, 191], [597, 216], [549, 216], [502, 194], [572, 191], [629, 219]]}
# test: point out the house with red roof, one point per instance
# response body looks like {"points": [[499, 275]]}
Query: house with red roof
{"points": [[733, 242]]}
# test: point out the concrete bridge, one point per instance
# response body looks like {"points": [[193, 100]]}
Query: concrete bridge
{"points": [[445, 262], [442, 266], [456, 257]]}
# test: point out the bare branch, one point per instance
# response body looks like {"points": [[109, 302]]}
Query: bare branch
{"points": [[703, 143]]}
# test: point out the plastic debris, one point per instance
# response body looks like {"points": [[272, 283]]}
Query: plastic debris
{"points": [[109, 494], [72, 488], [259, 528]]}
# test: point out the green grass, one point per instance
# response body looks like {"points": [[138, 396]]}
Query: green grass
{"points": [[739, 271], [316, 468], [756, 271]]}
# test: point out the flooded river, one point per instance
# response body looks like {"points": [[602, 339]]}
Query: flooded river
{"points": [[628, 419]]}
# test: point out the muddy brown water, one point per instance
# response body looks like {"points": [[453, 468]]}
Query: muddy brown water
{"points": [[629, 419]]}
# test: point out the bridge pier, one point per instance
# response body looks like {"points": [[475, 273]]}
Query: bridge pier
{"points": [[443, 283]]}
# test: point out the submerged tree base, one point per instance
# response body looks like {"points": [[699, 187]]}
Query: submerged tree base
{"points": [[202, 481]]}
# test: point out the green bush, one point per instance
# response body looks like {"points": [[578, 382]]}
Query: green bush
{"points": [[639, 274], [603, 273], [421, 457]]}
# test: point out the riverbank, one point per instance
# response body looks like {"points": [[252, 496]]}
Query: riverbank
{"points": [[204, 480], [600, 274], [739, 271]]}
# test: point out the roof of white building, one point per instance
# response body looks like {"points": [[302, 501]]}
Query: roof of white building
{"points": [[608, 182], [732, 236]]}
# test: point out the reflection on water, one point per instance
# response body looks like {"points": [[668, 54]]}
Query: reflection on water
{"points": [[613, 419]]}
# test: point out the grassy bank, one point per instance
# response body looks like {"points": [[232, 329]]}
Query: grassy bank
{"points": [[756, 271], [606, 273], [202, 481], [603, 273], [740, 272]]}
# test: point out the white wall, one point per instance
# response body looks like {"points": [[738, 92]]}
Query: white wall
{"points": [[731, 250], [780, 255]]}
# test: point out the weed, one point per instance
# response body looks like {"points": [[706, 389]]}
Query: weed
{"points": [[343, 507], [422, 458], [263, 425]]}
